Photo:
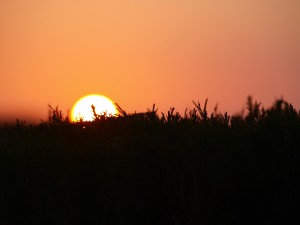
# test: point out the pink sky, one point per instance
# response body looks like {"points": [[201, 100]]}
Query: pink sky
{"points": [[142, 52]]}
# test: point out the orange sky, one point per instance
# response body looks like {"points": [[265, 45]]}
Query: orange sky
{"points": [[143, 52]]}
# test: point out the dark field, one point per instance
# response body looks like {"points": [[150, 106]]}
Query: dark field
{"points": [[150, 169]]}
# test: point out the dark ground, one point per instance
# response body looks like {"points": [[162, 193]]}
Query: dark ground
{"points": [[142, 169]]}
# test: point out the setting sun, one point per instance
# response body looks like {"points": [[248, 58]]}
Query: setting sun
{"points": [[83, 107]]}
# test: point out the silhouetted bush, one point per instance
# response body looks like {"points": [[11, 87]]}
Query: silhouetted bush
{"points": [[143, 168]]}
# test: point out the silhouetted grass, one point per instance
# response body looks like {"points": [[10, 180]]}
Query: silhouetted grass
{"points": [[145, 168]]}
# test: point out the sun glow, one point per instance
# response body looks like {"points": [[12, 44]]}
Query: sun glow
{"points": [[82, 109]]}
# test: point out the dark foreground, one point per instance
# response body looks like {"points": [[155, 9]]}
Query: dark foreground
{"points": [[144, 169]]}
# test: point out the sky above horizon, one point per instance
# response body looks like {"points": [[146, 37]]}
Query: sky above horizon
{"points": [[142, 52]]}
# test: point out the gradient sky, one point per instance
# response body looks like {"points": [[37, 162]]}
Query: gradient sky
{"points": [[137, 53]]}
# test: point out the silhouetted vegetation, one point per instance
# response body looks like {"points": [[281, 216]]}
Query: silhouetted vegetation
{"points": [[146, 168]]}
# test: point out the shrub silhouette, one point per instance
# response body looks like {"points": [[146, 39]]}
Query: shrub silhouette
{"points": [[145, 168]]}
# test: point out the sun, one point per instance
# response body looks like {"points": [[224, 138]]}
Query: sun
{"points": [[82, 109]]}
